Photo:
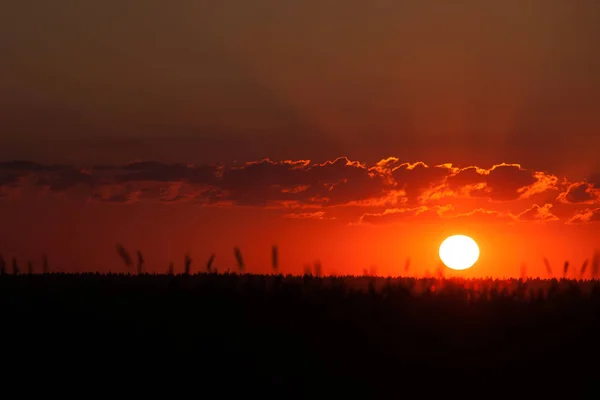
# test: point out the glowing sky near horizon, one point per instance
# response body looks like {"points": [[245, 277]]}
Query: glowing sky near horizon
{"points": [[472, 83]]}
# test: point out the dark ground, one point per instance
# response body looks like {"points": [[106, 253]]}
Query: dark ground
{"points": [[303, 336]]}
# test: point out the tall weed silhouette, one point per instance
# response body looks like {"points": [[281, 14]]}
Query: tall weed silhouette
{"points": [[124, 254], [548, 267], [239, 259], [140, 263], [210, 262], [318, 268], [373, 270], [188, 264], [583, 269]]}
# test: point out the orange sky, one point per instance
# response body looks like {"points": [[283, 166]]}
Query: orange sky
{"points": [[144, 121], [347, 214]]}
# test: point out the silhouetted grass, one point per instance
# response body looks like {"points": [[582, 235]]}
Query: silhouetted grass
{"points": [[140, 263], [318, 268], [239, 259], [548, 267], [583, 269], [366, 328], [210, 262], [187, 264], [124, 254]]}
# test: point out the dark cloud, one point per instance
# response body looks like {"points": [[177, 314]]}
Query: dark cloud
{"points": [[24, 166], [331, 183], [306, 215], [117, 194], [464, 177], [503, 182], [64, 179], [580, 193], [257, 183], [52, 177], [416, 178], [343, 181], [156, 171], [595, 215], [9, 179], [394, 215], [390, 215], [483, 215], [585, 216], [388, 183], [538, 213], [534, 214]]}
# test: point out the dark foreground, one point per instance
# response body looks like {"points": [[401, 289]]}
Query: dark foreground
{"points": [[304, 335]]}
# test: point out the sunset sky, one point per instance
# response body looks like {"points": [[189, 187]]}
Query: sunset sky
{"points": [[356, 133]]}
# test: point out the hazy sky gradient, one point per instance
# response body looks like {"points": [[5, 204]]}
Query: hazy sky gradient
{"points": [[467, 82]]}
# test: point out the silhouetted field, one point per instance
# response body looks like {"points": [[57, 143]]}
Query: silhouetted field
{"points": [[302, 333]]}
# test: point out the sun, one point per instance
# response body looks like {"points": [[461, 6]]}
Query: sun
{"points": [[459, 252]]}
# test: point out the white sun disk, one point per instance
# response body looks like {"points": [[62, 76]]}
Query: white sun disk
{"points": [[459, 252]]}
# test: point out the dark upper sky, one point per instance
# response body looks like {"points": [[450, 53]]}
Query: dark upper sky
{"points": [[466, 81]]}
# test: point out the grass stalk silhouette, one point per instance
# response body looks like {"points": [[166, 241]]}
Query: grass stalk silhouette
{"points": [[209, 263], [15, 266], [124, 254], [187, 264], [239, 259], [583, 269], [307, 270], [373, 270], [548, 267], [318, 268], [140, 263], [523, 272]]}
